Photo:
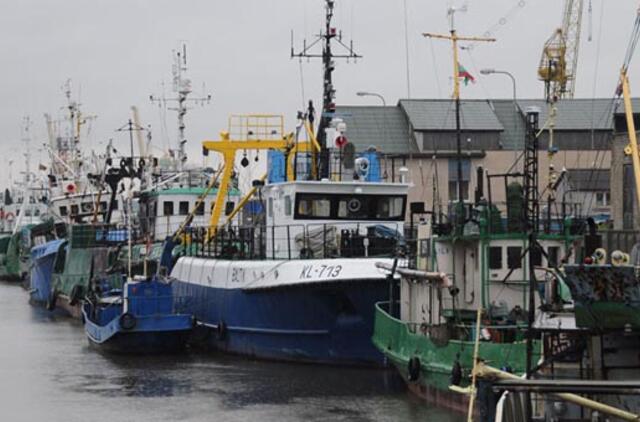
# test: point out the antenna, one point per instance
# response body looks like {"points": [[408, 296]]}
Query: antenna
{"points": [[326, 39], [182, 87]]}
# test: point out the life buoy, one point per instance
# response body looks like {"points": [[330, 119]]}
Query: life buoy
{"points": [[413, 369], [70, 188], [127, 321]]}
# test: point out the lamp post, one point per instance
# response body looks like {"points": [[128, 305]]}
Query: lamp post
{"points": [[513, 82]]}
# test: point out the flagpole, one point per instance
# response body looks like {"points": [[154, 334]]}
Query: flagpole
{"points": [[454, 38]]}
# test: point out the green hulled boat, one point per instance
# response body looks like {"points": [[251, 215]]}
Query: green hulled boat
{"points": [[479, 258], [429, 334], [15, 249], [89, 253]]}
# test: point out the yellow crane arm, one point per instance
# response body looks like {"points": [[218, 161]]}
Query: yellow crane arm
{"points": [[632, 148]]}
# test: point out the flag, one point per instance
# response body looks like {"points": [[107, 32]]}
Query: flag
{"points": [[463, 73]]}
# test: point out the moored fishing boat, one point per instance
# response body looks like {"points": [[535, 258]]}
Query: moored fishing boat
{"points": [[144, 317], [42, 259], [299, 284]]}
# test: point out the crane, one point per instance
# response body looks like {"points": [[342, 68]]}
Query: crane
{"points": [[558, 64]]}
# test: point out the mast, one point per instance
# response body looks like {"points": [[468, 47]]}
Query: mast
{"points": [[182, 87], [454, 38], [326, 39]]}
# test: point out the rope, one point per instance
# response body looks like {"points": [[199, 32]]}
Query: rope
{"points": [[435, 67], [633, 42]]}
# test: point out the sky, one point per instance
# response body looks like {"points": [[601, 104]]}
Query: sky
{"points": [[118, 52]]}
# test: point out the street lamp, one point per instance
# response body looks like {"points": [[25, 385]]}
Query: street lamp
{"points": [[513, 82], [503, 72], [371, 94]]}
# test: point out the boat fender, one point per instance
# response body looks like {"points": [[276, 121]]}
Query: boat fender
{"points": [[76, 295], [51, 300], [127, 321], [414, 368], [222, 330], [456, 373]]}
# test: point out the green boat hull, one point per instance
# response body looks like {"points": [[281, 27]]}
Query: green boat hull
{"points": [[400, 342]]}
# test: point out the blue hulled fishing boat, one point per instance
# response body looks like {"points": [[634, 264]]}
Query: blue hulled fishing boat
{"points": [[42, 260], [144, 317]]}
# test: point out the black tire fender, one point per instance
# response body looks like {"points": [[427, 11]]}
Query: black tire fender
{"points": [[51, 300], [413, 369], [75, 295], [127, 321], [221, 331]]}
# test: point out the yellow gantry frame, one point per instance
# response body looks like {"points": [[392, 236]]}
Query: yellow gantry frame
{"points": [[632, 148], [228, 148]]}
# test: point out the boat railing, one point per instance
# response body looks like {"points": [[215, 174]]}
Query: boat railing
{"points": [[303, 241]]}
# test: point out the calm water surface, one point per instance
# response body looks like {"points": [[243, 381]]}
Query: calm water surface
{"points": [[48, 373]]}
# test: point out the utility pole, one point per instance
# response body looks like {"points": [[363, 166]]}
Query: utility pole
{"points": [[326, 39]]}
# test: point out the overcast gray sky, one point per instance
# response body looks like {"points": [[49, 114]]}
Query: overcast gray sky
{"points": [[118, 52]]}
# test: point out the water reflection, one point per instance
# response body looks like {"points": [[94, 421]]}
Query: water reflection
{"points": [[51, 373]]}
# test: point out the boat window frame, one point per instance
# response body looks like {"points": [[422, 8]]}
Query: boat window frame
{"points": [[516, 260], [334, 200], [491, 265]]}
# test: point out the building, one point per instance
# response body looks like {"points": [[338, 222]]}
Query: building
{"points": [[420, 135]]}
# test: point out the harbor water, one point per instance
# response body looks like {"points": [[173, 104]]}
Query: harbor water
{"points": [[49, 373]]}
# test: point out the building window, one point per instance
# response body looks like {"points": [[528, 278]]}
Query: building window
{"points": [[167, 208], [514, 257], [425, 247], [602, 199], [183, 207], [495, 258], [454, 183]]}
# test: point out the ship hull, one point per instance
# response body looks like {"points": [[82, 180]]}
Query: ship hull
{"points": [[328, 322], [431, 377]]}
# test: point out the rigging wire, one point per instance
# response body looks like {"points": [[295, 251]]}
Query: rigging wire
{"points": [[435, 67], [633, 42], [406, 48]]}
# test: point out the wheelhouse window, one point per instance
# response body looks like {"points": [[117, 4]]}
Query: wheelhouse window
{"points": [[183, 208], [74, 209], [63, 211], [553, 255], [167, 208], [514, 257], [350, 207], [495, 258], [200, 209]]}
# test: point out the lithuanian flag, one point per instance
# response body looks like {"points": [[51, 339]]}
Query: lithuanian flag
{"points": [[464, 73]]}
